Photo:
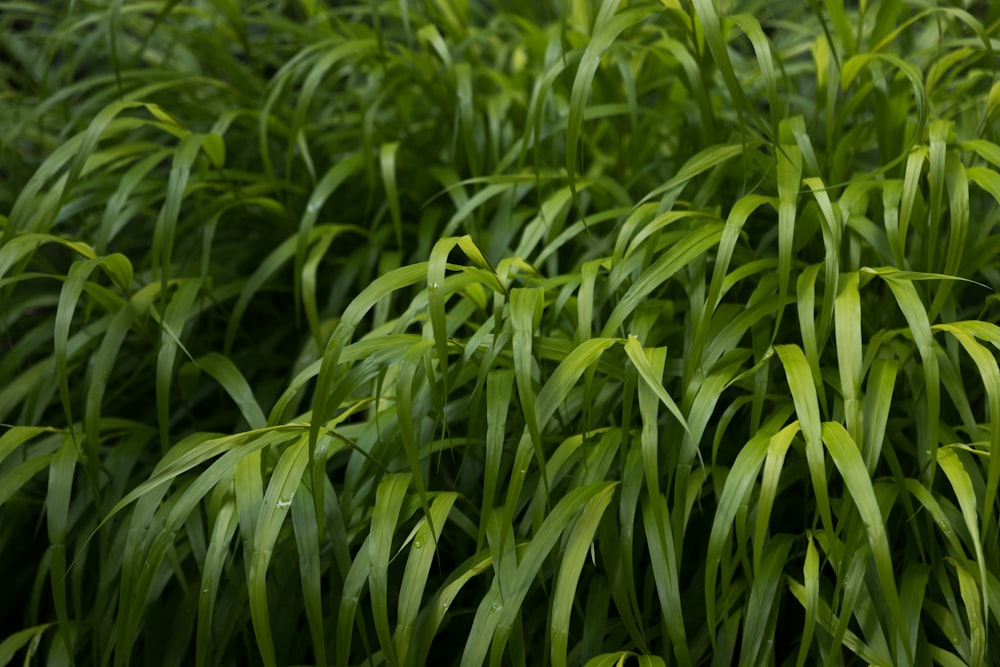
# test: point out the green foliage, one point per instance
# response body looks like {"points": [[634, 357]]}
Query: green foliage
{"points": [[528, 331]]}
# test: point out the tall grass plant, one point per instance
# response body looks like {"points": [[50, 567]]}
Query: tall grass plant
{"points": [[553, 332]]}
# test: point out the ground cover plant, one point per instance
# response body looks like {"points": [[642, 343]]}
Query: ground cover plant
{"points": [[532, 332]]}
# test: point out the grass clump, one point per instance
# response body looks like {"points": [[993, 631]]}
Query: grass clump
{"points": [[530, 332]]}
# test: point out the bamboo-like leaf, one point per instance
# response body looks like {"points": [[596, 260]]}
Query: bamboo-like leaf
{"points": [[385, 514], [229, 376], [499, 391], [274, 508], [807, 408], [165, 231], [12, 644], [961, 484], [418, 565], [683, 253], [574, 556], [76, 152], [222, 534], [971, 598], [919, 324], [72, 289], [648, 412], [709, 20], [104, 359], [767, 581], [61, 472], [387, 162], [310, 570], [789, 181], [827, 620], [354, 584], [738, 483], [988, 369], [810, 576], [606, 29], [637, 356], [495, 615], [776, 451], [325, 188], [846, 456], [666, 573], [847, 321], [178, 312], [526, 307]]}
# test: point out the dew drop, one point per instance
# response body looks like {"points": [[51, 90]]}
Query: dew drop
{"points": [[204, 590], [524, 471], [417, 544], [497, 605], [444, 605]]}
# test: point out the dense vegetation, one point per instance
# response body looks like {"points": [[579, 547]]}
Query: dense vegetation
{"points": [[531, 331]]}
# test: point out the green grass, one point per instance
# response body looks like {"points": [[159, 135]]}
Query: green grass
{"points": [[552, 332]]}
